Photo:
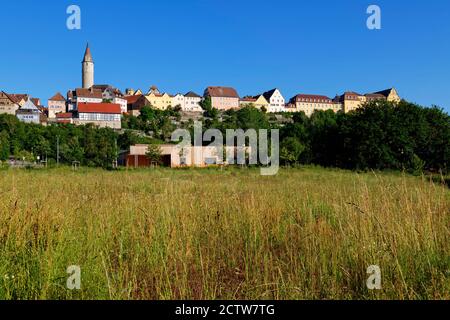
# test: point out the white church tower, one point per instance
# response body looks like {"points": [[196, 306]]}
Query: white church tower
{"points": [[88, 69]]}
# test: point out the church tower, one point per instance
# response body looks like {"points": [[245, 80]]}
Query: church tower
{"points": [[88, 69]]}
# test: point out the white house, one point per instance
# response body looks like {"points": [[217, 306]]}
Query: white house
{"points": [[192, 102], [276, 101], [29, 113], [178, 100], [77, 96]]}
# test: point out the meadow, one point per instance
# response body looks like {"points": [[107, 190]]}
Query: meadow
{"points": [[307, 233]]}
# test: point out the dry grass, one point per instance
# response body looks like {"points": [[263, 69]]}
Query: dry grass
{"points": [[233, 234]]}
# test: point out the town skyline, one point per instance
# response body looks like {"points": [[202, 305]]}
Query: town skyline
{"points": [[418, 75]]}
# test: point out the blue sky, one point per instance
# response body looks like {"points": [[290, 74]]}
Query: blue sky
{"points": [[321, 47]]}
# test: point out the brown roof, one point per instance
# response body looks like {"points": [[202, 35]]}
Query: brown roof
{"points": [[18, 97], [110, 108], [249, 99], [225, 92], [57, 97], [36, 101], [301, 97], [89, 93], [133, 99]]}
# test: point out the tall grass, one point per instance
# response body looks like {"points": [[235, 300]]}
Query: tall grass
{"points": [[232, 234]]}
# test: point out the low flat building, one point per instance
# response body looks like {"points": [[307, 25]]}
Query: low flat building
{"points": [[172, 156], [103, 115]]}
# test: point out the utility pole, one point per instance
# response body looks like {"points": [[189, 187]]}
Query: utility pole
{"points": [[57, 151]]}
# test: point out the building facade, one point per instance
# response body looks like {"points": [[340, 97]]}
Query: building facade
{"points": [[309, 103], [135, 104], [276, 101], [80, 95], [56, 104], [158, 100], [29, 113], [103, 115], [258, 102], [223, 98], [8, 105], [111, 94]]}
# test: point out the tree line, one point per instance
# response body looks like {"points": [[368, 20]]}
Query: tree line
{"points": [[380, 135]]}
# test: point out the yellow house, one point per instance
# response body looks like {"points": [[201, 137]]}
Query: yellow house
{"points": [[352, 100], [159, 100], [391, 95], [258, 102]]}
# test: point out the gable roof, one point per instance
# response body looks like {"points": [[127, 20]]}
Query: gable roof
{"points": [[87, 93], [36, 101], [192, 94], [57, 97], [29, 105], [133, 99], [224, 92], [110, 108], [9, 97], [385, 93], [19, 97]]}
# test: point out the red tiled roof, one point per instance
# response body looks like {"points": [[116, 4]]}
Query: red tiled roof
{"points": [[36, 101], [132, 99], [110, 108], [17, 97], [57, 97]]}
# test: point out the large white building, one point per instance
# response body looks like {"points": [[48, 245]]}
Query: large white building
{"points": [[277, 103], [99, 114], [29, 113]]}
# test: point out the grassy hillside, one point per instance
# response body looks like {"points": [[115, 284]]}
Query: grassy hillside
{"points": [[210, 234]]}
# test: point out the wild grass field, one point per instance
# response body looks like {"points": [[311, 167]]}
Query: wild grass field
{"points": [[209, 234]]}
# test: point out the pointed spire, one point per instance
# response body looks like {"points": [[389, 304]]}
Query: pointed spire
{"points": [[87, 55]]}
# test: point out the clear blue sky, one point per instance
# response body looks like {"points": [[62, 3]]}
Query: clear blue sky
{"points": [[298, 46]]}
